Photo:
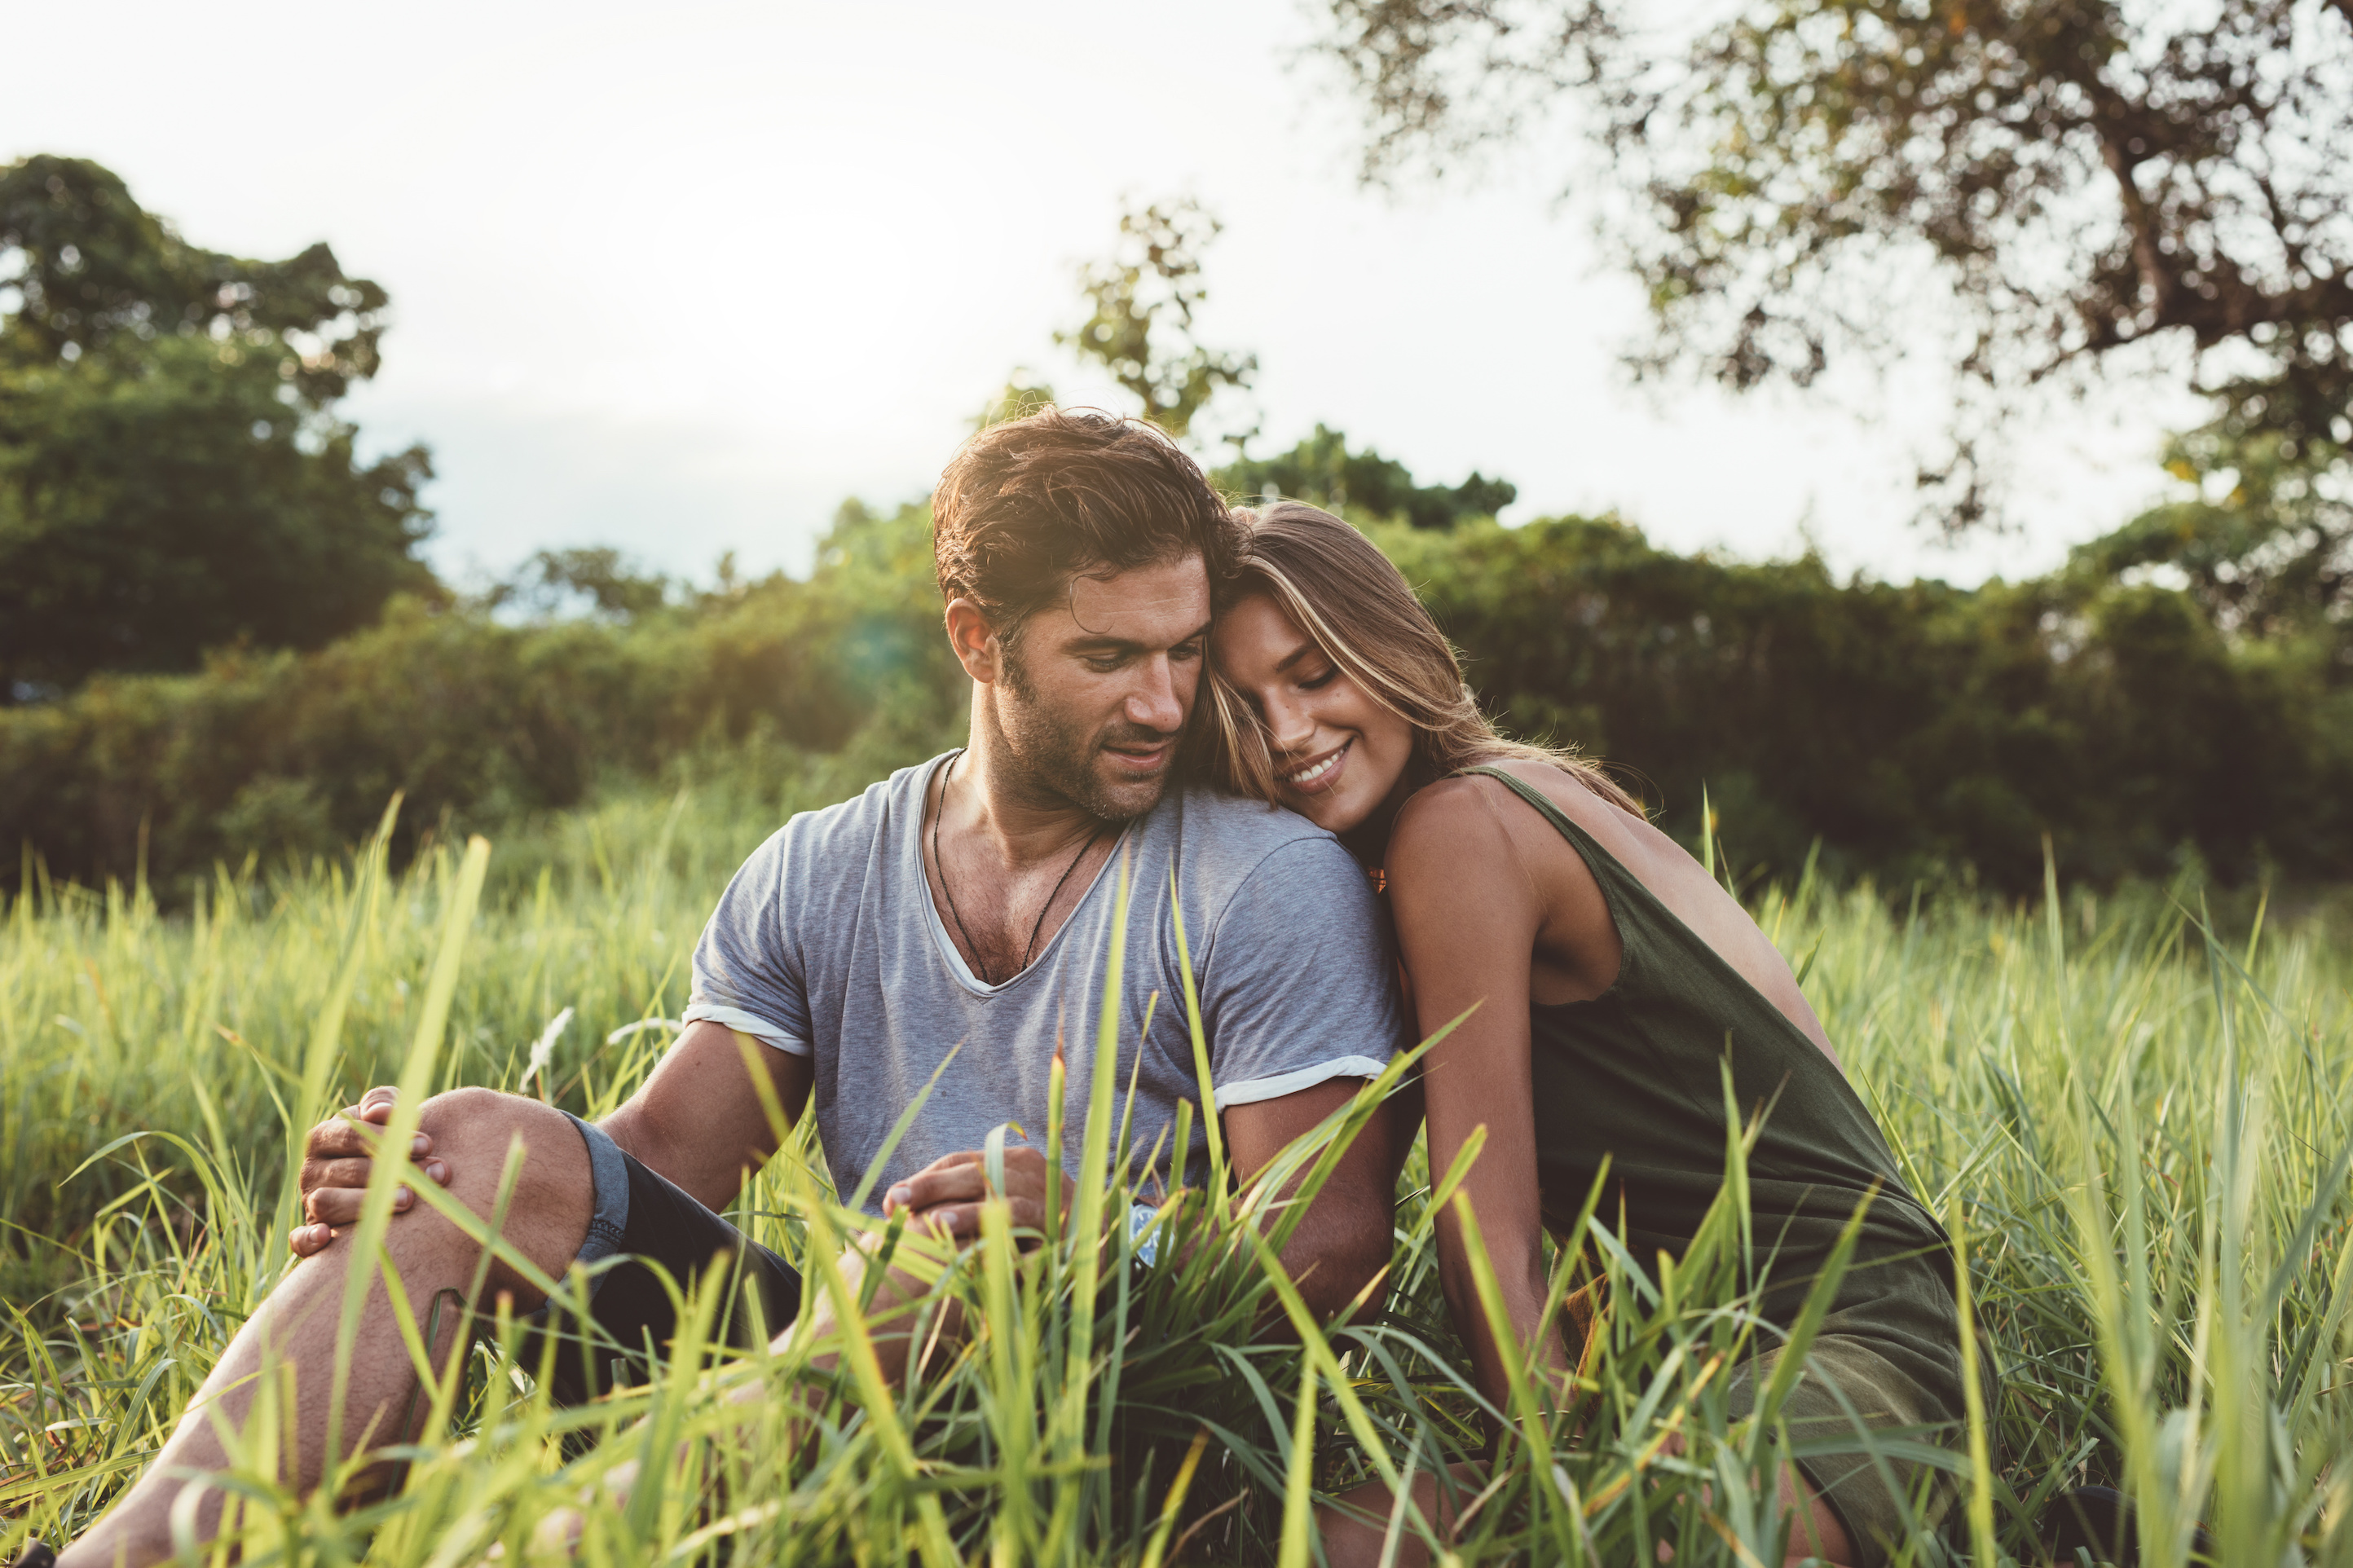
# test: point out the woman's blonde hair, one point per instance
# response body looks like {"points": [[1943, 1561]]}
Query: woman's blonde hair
{"points": [[1352, 602]]}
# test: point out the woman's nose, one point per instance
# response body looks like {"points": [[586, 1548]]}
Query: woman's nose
{"points": [[1290, 729]]}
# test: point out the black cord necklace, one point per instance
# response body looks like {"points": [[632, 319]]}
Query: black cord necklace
{"points": [[940, 814]]}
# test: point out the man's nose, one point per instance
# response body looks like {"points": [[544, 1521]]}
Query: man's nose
{"points": [[1155, 703]]}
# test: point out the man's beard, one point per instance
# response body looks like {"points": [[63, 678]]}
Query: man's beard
{"points": [[1056, 758]]}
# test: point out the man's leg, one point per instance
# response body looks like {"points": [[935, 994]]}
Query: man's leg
{"points": [[652, 1235], [547, 1218]]}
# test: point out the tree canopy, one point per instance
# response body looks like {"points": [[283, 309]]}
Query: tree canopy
{"points": [[1140, 327], [173, 474], [2078, 177]]}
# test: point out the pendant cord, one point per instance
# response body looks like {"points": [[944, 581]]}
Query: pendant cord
{"points": [[939, 816]]}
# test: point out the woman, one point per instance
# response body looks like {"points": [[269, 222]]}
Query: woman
{"points": [[1607, 979]]}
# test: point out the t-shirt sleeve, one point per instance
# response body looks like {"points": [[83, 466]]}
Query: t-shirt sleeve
{"points": [[747, 971], [1298, 984]]}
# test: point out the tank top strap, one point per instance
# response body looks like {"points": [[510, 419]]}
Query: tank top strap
{"points": [[1617, 884]]}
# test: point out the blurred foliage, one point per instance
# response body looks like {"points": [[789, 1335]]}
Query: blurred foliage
{"points": [[1913, 731], [2264, 539], [600, 577], [474, 720], [1917, 731], [173, 475], [1025, 392], [1322, 470], [1799, 179], [1140, 325]]}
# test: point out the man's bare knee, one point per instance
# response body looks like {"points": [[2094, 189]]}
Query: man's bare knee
{"points": [[473, 1128], [552, 1191]]}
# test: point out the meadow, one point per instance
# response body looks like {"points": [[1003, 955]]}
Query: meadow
{"points": [[2138, 1127]]}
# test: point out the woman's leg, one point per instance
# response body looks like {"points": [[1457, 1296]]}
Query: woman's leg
{"points": [[294, 1331]]}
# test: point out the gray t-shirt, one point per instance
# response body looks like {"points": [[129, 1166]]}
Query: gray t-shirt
{"points": [[827, 945]]}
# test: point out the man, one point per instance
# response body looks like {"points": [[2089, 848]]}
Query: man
{"points": [[963, 905]]}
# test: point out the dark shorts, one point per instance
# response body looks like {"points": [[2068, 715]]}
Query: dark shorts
{"points": [[663, 1238], [1879, 1498]]}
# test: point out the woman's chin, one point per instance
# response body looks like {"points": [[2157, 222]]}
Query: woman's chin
{"points": [[1333, 813]]}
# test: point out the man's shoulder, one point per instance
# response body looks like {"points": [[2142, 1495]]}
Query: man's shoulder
{"points": [[1275, 900], [809, 853], [1221, 838], [870, 811], [1201, 808]]}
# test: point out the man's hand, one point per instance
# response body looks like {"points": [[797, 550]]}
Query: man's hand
{"points": [[336, 1159], [944, 1196]]}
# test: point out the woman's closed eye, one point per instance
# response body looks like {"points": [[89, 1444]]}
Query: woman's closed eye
{"points": [[1318, 682]]}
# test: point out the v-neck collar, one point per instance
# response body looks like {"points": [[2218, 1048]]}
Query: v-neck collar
{"points": [[950, 954]]}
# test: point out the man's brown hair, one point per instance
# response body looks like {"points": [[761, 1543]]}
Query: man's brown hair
{"points": [[1028, 504]]}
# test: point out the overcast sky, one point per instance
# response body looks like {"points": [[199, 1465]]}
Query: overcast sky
{"points": [[680, 278]]}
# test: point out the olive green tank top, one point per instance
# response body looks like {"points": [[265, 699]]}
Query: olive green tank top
{"points": [[1637, 1074]]}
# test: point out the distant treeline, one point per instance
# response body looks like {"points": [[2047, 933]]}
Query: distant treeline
{"points": [[475, 719], [1913, 731]]}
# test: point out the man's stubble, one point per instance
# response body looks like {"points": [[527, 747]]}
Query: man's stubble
{"points": [[1052, 756]]}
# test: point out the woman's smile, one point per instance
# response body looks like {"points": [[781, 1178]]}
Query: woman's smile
{"points": [[1321, 773]]}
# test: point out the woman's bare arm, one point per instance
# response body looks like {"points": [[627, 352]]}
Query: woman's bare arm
{"points": [[1467, 918]]}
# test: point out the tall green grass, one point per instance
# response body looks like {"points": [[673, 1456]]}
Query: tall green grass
{"points": [[2141, 1135]]}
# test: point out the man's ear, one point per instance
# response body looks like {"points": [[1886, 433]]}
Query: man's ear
{"points": [[978, 647]]}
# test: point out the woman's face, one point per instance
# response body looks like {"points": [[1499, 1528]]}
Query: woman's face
{"points": [[1339, 756]]}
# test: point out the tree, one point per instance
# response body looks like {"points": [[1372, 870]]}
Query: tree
{"points": [[172, 475], [613, 587], [2262, 540], [2082, 176], [1140, 328], [1323, 470]]}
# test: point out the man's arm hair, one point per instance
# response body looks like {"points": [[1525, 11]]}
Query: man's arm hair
{"points": [[702, 1121]]}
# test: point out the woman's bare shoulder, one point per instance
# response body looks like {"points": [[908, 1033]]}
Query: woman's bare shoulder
{"points": [[1481, 804], [1471, 818], [1603, 817], [1447, 816]]}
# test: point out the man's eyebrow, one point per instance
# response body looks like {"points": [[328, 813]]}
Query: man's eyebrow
{"points": [[1104, 640]]}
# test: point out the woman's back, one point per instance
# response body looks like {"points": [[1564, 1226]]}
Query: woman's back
{"points": [[1661, 865]]}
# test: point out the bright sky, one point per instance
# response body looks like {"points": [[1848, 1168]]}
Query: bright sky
{"points": [[680, 278]]}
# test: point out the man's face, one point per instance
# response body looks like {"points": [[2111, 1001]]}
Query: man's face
{"points": [[1097, 687]]}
